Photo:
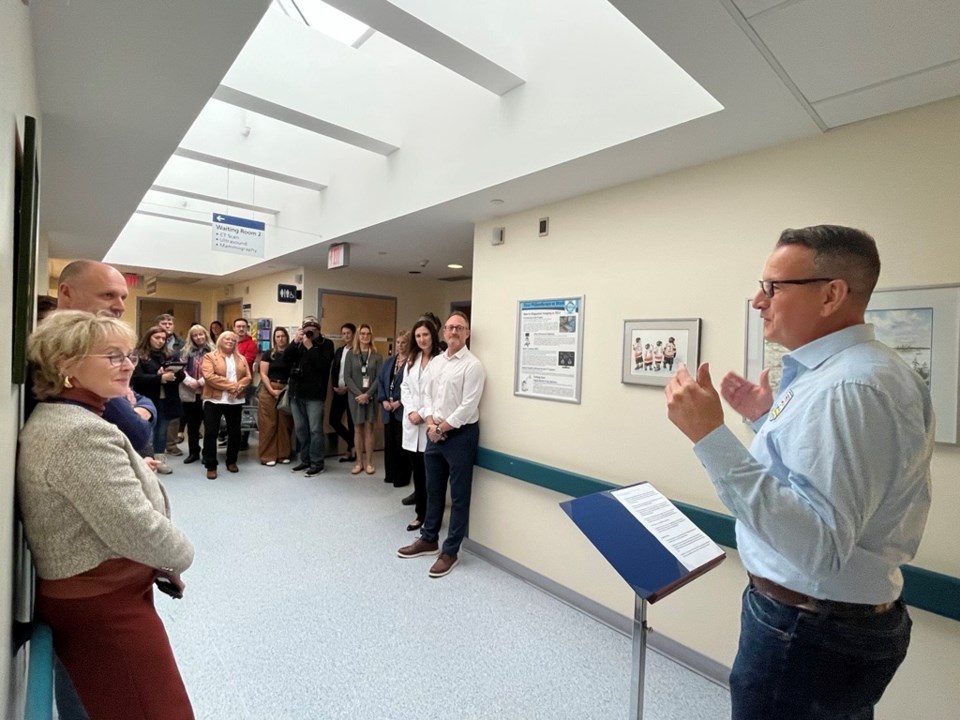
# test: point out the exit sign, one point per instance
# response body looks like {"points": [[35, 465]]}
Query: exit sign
{"points": [[338, 256]]}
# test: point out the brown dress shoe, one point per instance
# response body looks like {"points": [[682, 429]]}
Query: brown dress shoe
{"points": [[232, 467], [444, 564], [417, 548], [212, 474]]}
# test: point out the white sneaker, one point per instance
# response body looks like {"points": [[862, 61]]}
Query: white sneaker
{"points": [[162, 466]]}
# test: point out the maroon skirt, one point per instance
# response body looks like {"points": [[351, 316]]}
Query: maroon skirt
{"points": [[118, 654]]}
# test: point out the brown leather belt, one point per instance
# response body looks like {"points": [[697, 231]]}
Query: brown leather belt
{"points": [[795, 599]]}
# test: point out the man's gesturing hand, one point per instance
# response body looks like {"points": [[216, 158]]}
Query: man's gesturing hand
{"points": [[694, 405], [751, 400]]}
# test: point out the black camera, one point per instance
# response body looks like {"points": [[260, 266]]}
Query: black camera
{"points": [[311, 334]]}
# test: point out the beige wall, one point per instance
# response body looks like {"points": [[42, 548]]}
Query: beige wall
{"points": [[415, 294], [18, 97], [692, 244]]}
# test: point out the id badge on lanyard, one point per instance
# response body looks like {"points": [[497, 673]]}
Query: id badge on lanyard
{"points": [[366, 379]]}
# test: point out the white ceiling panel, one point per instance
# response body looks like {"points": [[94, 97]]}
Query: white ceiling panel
{"points": [[829, 48], [939, 84]]}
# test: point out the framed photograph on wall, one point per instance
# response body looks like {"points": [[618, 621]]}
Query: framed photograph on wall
{"points": [[27, 199], [921, 323], [653, 349]]}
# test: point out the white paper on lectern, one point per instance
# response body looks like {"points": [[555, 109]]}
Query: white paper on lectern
{"points": [[675, 531]]}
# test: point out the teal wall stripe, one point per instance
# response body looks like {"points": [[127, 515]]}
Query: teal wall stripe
{"points": [[924, 589]]}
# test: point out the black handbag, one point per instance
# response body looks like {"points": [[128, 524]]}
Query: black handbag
{"points": [[283, 401]]}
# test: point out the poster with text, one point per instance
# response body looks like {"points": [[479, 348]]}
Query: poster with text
{"points": [[549, 349]]}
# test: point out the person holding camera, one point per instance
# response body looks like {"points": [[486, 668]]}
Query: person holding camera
{"points": [[309, 357]]}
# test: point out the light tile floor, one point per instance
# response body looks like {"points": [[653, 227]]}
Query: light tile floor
{"points": [[297, 607]]}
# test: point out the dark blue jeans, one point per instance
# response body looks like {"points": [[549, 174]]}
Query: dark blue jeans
{"points": [[308, 424], [453, 458], [796, 665]]}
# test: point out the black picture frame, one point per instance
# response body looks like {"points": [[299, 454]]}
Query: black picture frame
{"points": [[27, 203]]}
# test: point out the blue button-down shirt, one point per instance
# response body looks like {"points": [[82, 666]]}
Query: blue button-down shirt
{"points": [[833, 495]]}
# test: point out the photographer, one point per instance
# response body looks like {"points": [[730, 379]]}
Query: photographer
{"points": [[309, 357]]}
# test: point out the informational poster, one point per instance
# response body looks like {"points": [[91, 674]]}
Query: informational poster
{"points": [[549, 349]]}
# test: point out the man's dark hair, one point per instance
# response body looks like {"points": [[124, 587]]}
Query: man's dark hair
{"points": [[840, 252], [240, 319], [164, 316], [353, 328]]}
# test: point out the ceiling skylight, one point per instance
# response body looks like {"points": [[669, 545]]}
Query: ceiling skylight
{"points": [[323, 18]]}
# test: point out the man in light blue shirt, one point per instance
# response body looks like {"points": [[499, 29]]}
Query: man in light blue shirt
{"points": [[832, 496]]}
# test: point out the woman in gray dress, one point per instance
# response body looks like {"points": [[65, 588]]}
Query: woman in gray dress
{"points": [[362, 368]]}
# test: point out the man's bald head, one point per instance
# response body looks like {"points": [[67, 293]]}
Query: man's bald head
{"points": [[92, 286]]}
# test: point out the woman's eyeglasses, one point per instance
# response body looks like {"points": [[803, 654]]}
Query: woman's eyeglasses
{"points": [[116, 357]]}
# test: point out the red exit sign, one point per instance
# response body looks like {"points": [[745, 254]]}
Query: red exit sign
{"points": [[338, 256]]}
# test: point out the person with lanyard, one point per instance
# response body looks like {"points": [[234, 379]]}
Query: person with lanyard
{"points": [[309, 357], [396, 464], [339, 405], [275, 428], [363, 364], [451, 400], [832, 496]]}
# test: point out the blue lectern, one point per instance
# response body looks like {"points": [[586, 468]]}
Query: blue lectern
{"points": [[652, 545]]}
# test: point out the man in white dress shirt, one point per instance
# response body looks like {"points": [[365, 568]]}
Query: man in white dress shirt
{"points": [[452, 399]]}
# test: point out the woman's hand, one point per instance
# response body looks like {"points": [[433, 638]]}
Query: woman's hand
{"points": [[363, 398], [168, 376], [175, 579], [387, 405]]}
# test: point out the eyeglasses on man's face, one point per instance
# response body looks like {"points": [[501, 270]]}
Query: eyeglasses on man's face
{"points": [[454, 328], [769, 287], [116, 358]]}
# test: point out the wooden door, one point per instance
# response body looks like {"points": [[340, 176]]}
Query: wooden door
{"points": [[377, 311], [185, 313], [228, 311]]}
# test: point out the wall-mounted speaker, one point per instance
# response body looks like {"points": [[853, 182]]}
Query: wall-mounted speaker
{"points": [[497, 237]]}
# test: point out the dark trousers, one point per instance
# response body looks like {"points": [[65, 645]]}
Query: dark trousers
{"points": [[212, 412], [396, 464], [453, 458], [797, 665], [193, 417], [338, 408], [419, 483]]}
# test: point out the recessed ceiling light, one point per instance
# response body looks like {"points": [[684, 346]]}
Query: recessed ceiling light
{"points": [[382, 252], [455, 266], [496, 201], [413, 272]]}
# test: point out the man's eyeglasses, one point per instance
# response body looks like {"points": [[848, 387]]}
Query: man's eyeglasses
{"points": [[116, 358], [454, 328], [769, 287]]}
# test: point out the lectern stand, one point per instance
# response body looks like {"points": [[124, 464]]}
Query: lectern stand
{"points": [[652, 545], [639, 657]]}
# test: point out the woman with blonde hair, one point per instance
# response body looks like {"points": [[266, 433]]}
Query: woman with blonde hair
{"points": [[363, 364], [198, 344], [98, 523], [226, 377]]}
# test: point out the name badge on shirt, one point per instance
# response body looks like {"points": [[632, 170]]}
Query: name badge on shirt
{"points": [[781, 405], [366, 382]]}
